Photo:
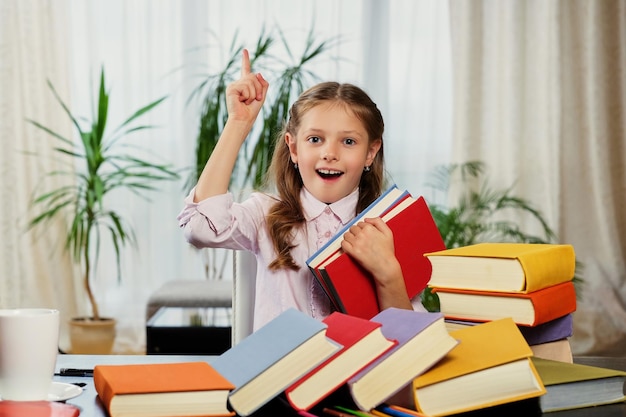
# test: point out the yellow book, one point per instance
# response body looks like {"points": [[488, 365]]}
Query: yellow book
{"points": [[503, 267], [490, 366]]}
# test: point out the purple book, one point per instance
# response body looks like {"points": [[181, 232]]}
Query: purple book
{"points": [[550, 331], [556, 329], [423, 340]]}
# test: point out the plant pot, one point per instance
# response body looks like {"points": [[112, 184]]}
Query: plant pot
{"points": [[88, 336]]}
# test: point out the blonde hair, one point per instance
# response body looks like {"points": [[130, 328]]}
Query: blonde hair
{"points": [[287, 214]]}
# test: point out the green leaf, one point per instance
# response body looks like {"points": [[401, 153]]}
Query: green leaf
{"points": [[98, 171]]}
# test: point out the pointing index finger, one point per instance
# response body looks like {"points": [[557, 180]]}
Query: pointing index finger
{"points": [[245, 63]]}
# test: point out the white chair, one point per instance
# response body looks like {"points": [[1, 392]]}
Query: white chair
{"points": [[244, 284]]}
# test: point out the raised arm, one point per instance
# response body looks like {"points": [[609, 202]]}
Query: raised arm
{"points": [[370, 242], [244, 100]]}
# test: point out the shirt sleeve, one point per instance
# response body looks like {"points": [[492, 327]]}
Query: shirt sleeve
{"points": [[219, 222]]}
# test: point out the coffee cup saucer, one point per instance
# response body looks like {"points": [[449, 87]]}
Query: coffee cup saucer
{"points": [[61, 391]]}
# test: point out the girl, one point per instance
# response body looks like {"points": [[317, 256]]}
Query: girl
{"points": [[327, 166]]}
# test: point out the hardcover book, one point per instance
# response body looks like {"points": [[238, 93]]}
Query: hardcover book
{"points": [[529, 309], [505, 267], [572, 385], [490, 366], [163, 389], [272, 358], [363, 341], [422, 341], [351, 287], [557, 329], [557, 350], [37, 409]]}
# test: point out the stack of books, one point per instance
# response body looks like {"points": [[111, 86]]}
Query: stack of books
{"points": [[493, 370], [530, 282], [297, 365], [294, 359]]}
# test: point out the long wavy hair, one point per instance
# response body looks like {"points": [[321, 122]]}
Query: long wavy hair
{"points": [[287, 214]]}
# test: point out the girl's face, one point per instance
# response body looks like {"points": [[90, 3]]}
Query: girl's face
{"points": [[331, 149]]}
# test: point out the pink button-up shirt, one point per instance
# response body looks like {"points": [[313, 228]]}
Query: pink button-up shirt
{"points": [[220, 222]]}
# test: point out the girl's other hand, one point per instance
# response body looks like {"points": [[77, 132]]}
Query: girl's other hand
{"points": [[370, 242], [245, 97]]}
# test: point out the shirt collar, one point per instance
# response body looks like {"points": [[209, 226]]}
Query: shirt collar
{"points": [[345, 208]]}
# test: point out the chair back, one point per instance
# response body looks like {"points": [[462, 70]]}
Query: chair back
{"points": [[244, 285]]}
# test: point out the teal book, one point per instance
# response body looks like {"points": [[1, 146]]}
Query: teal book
{"points": [[271, 359]]}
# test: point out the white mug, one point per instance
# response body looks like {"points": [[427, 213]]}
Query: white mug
{"points": [[29, 340]]}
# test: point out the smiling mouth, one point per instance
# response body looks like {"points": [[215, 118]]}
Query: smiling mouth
{"points": [[329, 173]]}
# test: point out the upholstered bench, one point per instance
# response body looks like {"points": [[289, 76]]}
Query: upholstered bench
{"points": [[213, 293], [181, 318]]}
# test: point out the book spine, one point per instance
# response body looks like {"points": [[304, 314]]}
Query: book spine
{"points": [[553, 302], [356, 219]]}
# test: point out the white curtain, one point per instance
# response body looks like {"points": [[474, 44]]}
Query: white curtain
{"points": [[540, 96], [398, 51], [34, 270]]}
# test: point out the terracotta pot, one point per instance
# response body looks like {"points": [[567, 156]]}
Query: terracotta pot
{"points": [[88, 336]]}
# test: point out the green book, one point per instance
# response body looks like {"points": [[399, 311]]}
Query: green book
{"points": [[571, 385]]}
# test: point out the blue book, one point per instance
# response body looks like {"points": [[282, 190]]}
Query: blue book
{"points": [[269, 360], [379, 206]]}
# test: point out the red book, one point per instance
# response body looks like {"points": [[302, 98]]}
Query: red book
{"points": [[37, 409], [383, 204], [529, 309], [415, 232], [163, 389], [363, 342]]}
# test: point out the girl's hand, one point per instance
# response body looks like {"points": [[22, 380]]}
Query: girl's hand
{"points": [[370, 243], [245, 97]]}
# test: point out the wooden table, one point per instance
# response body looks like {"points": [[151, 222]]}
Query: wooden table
{"points": [[90, 404]]}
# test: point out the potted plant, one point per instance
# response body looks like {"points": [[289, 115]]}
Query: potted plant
{"points": [[101, 164], [477, 216]]}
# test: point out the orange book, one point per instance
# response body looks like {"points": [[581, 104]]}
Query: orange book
{"points": [[362, 342], [163, 389], [530, 309], [490, 366]]}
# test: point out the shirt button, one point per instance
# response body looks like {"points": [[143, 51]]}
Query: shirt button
{"points": [[327, 210], [327, 234]]}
